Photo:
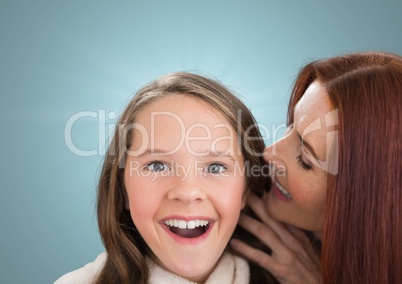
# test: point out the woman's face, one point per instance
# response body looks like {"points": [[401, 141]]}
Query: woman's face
{"points": [[301, 161]]}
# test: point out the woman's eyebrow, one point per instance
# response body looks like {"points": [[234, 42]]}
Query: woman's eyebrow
{"points": [[308, 146]]}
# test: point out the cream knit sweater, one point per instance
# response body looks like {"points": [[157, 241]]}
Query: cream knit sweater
{"points": [[230, 270]]}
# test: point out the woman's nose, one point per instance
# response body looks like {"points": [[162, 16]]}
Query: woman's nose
{"points": [[273, 151], [276, 157]]}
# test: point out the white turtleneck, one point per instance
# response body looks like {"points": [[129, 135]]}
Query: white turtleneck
{"points": [[231, 269]]}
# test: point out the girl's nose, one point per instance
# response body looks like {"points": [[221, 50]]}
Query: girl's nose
{"points": [[187, 190]]}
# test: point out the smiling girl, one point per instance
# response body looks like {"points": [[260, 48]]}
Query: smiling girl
{"points": [[173, 184]]}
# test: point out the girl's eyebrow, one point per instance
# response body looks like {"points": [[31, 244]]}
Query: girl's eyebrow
{"points": [[307, 145], [221, 154], [154, 152], [160, 152]]}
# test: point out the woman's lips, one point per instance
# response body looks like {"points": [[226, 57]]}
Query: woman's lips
{"points": [[280, 191]]}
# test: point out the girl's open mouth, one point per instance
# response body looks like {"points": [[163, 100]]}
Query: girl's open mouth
{"points": [[188, 229]]}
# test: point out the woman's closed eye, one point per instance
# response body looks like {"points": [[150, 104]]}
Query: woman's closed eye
{"points": [[216, 168], [302, 163], [157, 166]]}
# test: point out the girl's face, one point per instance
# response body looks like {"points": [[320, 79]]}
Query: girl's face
{"points": [[184, 184], [301, 161]]}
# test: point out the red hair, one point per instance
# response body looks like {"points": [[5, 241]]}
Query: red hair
{"points": [[362, 241]]}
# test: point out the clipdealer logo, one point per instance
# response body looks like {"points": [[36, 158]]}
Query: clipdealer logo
{"points": [[106, 130]]}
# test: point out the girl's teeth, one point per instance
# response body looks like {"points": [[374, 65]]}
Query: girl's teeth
{"points": [[181, 224], [191, 224]]}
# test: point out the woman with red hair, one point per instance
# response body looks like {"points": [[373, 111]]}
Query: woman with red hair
{"points": [[336, 174]]}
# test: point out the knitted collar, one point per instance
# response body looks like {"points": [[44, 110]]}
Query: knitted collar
{"points": [[230, 270]]}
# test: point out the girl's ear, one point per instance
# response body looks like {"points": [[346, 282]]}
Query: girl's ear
{"points": [[245, 198]]}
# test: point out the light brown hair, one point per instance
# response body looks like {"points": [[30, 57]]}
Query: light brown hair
{"points": [[125, 247], [362, 240]]}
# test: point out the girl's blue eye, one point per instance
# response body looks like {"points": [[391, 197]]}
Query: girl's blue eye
{"points": [[157, 166], [216, 168]]}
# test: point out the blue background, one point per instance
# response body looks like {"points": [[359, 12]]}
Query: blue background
{"points": [[58, 58]]}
